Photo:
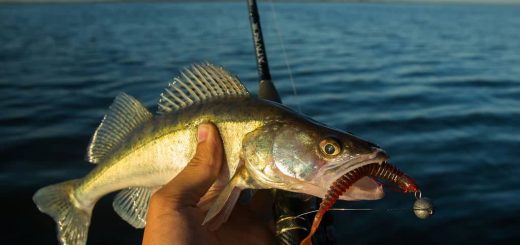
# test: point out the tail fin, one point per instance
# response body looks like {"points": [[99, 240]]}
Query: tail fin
{"points": [[72, 221]]}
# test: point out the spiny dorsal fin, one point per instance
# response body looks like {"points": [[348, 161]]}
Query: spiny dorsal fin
{"points": [[199, 84], [124, 115], [132, 205]]}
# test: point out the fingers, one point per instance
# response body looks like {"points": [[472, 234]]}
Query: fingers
{"points": [[194, 180]]}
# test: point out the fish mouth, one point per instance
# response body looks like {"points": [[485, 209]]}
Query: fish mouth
{"points": [[378, 156], [365, 188]]}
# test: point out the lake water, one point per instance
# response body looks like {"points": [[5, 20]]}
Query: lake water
{"points": [[437, 86]]}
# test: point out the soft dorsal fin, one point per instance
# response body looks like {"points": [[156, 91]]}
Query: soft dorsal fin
{"points": [[199, 84], [124, 115]]}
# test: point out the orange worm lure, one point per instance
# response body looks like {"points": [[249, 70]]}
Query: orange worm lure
{"points": [[382, 171]]}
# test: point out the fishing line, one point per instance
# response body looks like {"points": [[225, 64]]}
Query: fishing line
{"points": [[422, 208], [220, 33], [335, 209], [359, 209], [286, 59]]}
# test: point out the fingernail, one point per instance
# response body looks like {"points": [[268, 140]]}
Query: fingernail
{"points": [[202, 133]]}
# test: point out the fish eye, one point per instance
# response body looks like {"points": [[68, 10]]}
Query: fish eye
{"points": [[330, 147]]}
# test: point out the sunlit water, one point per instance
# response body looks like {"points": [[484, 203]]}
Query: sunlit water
{"points": [[437, 86]]}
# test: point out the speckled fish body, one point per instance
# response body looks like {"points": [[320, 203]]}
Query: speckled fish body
{"points": [[161, 148], [266, 144]]}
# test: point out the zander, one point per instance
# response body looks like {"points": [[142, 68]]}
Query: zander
{"points": [[266, 145]]}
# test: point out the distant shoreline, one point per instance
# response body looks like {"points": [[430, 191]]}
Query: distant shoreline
{"points": [[434, 2]]}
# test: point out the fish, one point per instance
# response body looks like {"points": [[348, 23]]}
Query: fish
{"points": [[266, 145]]}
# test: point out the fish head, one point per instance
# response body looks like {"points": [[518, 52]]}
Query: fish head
{"points": [[307, 157]]}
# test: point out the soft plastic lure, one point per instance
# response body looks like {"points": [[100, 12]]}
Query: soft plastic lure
{"points": [[383, 171]]}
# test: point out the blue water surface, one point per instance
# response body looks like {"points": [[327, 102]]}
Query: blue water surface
{"points": [[437, 86]]}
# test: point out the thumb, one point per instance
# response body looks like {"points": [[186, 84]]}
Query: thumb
{"points": [[194, 180]]}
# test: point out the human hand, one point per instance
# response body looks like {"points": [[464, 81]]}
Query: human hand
{"points": [[175, 218]]}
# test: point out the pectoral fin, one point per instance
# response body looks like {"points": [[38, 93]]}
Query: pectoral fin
{"points": [[223, 205]]}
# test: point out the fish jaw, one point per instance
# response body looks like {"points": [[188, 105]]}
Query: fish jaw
{"points": [[363, 189]]}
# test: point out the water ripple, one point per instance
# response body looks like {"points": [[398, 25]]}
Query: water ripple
{"points": [[437, 86]]}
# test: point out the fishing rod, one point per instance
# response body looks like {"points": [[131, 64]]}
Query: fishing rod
{"points": [[289, 208], [290, 228], [267, 90]]}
